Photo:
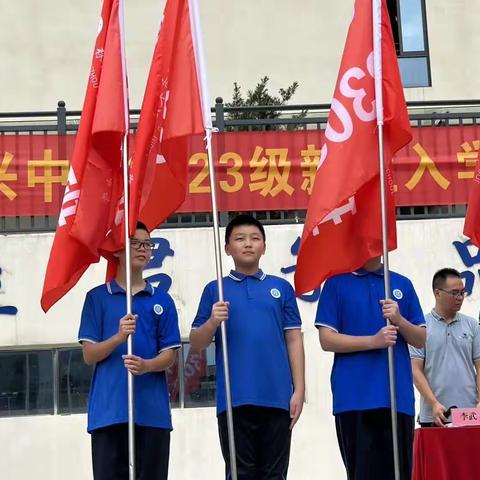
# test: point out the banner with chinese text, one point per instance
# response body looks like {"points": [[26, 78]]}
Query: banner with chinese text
{"points": [[256, 170]]}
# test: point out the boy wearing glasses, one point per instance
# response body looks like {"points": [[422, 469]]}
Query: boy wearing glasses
{"points": [[447, 371], [103, 333]]}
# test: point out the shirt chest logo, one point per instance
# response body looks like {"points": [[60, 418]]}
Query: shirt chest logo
{"points": [[397, 293], [275, 293], [158, 309]]}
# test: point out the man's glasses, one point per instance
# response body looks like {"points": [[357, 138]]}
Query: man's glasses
{"points": [[454, 293], [138, 244]]}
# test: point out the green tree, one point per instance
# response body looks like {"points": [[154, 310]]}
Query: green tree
{"points": [[260, 96]]}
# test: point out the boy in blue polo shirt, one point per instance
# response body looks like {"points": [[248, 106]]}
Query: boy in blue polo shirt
{"points": [[104, 330], [266, 357], [351, 321]]}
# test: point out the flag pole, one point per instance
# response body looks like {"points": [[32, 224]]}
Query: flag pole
{"points": [[205, 100], [128, 273], [223, 328], [377, 56]]}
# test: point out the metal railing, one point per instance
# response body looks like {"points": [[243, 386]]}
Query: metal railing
{"points": [[428, 113]]}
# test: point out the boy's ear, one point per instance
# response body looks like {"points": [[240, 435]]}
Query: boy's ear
{"points": [[227, 249], [116, 254]]}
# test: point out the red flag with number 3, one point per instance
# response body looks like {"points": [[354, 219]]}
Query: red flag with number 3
{"points": [[343, 227], [95, 178]]}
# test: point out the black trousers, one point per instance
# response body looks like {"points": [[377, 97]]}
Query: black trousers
{"points": [[365, 440], [110, 453], [262, 442], [427, 424]]}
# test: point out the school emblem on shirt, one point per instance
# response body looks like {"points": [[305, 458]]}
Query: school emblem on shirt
{"points": [[275, 293], [398, 294], [158, 309]]}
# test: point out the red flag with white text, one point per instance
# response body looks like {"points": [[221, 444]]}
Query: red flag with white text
{"points": [[171, 114], [343, 227], [95, 178]]}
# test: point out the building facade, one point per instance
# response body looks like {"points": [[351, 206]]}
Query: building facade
{"points": [[43, 382], [47, 53]]}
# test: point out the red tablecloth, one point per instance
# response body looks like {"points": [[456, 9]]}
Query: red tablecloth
{"points": [[446, 454]]}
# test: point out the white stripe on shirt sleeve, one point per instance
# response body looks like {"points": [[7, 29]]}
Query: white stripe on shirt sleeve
{"points": [[319, 324], [170, 347]]}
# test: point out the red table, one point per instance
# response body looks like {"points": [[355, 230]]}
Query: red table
{"points": [[446, 454]]}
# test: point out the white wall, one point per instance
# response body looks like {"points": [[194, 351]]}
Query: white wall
{"points": [[57, 446], [425, 245], [47, 46]]}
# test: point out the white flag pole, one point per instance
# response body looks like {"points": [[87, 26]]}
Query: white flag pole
{"points": [[128, 273], [378, 75], [205, 101]]}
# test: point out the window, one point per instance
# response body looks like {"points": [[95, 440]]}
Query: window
{"points": [[74, 378], [409, 26], [26, 383], [199, 376], [57, 380], [194, 384]]}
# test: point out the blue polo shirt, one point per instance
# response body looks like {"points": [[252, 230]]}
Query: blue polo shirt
{"points": [[261, 308], [156, 330], [350, 304]]}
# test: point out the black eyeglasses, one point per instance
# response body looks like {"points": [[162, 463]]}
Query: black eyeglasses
{"points": [[138, 244], [454, 293]]}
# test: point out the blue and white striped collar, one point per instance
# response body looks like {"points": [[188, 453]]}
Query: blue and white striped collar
{"points": [[113, 288], [361, 272], [237, 276]]}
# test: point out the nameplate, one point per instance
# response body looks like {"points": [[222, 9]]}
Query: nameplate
{"points": [[465, 417]]}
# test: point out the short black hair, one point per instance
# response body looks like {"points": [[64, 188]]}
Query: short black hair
{"points": [[243, 219], [441, 276], [142, 226]]}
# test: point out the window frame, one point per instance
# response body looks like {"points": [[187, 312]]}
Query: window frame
{"points": [[425, 53]]}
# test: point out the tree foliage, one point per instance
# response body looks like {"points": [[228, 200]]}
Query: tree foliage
{"points": [[261, 97]]}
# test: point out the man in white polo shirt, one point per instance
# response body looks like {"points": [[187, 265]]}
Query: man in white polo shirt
{"points": [[447, 371]]}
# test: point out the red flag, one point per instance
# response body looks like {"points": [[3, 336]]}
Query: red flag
{"points": [[343, 225], [471, 227], [171, 113], [95, 177]]}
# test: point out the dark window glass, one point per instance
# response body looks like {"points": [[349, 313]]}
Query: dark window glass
{"points": [[74, 377], [26, 383], [393, 12], [199, 376]]}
